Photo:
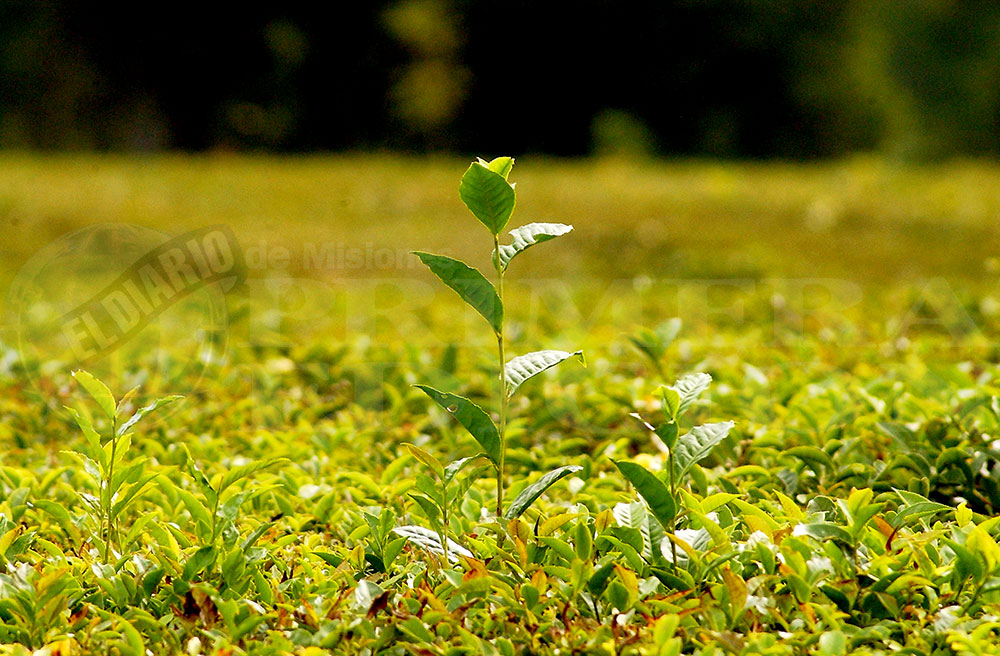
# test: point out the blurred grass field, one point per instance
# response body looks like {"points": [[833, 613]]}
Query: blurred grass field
{"points": [[857, 251], [863, 219]]}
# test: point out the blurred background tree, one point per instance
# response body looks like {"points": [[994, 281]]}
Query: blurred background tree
{"points": [[729, 78]]}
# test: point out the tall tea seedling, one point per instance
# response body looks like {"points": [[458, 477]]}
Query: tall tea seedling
{"points": [[490, 197], [103, 458], [683, 452]]}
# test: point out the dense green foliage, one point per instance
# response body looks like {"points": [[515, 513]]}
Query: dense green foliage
{"points": [[850, 508]]}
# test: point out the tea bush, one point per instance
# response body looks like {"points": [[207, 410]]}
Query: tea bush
{"points": [[786, 480]]}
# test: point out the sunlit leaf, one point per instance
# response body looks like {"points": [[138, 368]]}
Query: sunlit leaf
{"points": [[243, 471], [98, 390], [535, 490], [431, 541], [527, 236], [470, 415], [697, 444], [142, 412], [488, 196], [520, 369], [501, 165], [689, 388], [652, 490], [469, 284]]}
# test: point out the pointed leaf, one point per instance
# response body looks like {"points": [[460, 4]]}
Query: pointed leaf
{"points": [[915, 506], [429, 507], [89, 432], [824, 531], [202, 558], [142, 412], [454, 467], [468, 283], [652, 490], [105, 399], [123, 500], [458, 491], [431, 541], [426, 458], [671, 402], [488, 196], [668, 433], [654, 343], [698, 443], [501, 165], [524, 367], [126, 399], [982, 544], [470, 415], [527, 236], [667, 331], [535, 490], [634, 515], [689, 387], [236, 473]]}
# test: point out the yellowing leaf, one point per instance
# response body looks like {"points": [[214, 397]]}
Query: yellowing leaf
{"points": [[737, 588], [982, 544]]}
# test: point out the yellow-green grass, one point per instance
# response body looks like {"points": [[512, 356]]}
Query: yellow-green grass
{"points": [[863, 219], [857, 252]]}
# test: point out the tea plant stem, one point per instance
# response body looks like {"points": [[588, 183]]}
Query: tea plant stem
{"points": [[107, 489], [444, 522], [215, 517], [972, 600], [673, 493], [503, 384]]}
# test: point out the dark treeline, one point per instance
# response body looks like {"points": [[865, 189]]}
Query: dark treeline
{"points": [[746, 78]]}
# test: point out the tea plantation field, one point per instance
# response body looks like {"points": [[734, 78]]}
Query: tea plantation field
{"points": [[295, 492]]}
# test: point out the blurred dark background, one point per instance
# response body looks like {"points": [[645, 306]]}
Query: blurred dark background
{"points": [[916, 79]]}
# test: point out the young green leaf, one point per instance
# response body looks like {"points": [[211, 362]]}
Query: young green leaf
{"points": [[488, 196], [429, 506], [431, 541], [535, 490], [123, 500], [524, 367], [236, 473], [652, 490], [89, 432], [671, 402], [201, 559], [824, 531], [426, 458], [126, 399], [501, 165], [654, 343], [456, 466], [468, 283], [667, 331], [142, 412], [105, 399], [915, 506], [599, 581], [470, 415], [689, 388], [812, 456], [635, 515], [698, 443], [668, 433], [527, 236]]}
